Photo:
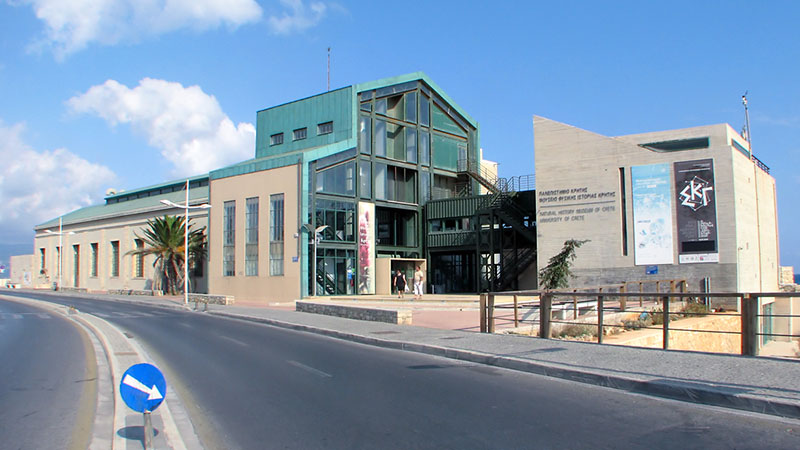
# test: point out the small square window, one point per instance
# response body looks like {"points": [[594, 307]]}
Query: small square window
{"points": [[276, 139], [325, 128], [300, 133]]}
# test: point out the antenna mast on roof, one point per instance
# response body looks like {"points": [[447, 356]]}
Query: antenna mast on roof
{"points": [[747, 123], [329, 68]]}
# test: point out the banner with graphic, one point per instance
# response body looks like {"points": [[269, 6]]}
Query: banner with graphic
{"points": [[652, 215], [366, 248], [696, 211]]}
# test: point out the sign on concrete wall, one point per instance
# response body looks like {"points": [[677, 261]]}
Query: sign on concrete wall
{"points": [[652, 214], [366, 248], [696, 211]]}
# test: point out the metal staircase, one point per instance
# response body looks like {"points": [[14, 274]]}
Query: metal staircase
{"points": [[500, 215]]}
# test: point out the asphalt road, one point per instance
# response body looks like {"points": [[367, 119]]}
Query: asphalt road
{"points": [[252, 386], [47, 380]]}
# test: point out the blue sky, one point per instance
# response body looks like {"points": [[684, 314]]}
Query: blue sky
{"points": [[127, 93]]}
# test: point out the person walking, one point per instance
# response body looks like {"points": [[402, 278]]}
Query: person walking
{"points": [[419, 277], [400, 283]]}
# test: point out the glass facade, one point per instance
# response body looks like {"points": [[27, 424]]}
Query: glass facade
{"points": [[405, 133]]}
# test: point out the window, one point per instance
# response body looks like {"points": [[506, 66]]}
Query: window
{"points": [[114, 258], [58, 261], [251, 237], [325, 128], [43, 262], [228, 238], [365, 135], [424, 148], [396, 227], [276, 234], [395, 183], [299, 134], [138, 259], [95, 258], [276, 139], [337, 179], [424, 111], [339, 217], [365, 178]]}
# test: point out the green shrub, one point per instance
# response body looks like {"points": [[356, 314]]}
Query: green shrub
{"points": [[576, 331], [694, 309]]}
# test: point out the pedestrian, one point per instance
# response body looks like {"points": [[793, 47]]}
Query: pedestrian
{"points": [[419, 276], [400, 283]]}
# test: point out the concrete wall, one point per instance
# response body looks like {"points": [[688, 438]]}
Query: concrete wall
{"points": [[263, 288], [579, 196], [23, 272]]}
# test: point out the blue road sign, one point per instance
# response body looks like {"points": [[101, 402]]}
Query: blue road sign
{"points": [[143, 387]]}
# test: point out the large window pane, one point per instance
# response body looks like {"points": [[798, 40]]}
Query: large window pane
{"points": [[424, 148], [395, 183], [364, 135], [424, 187], [424, 111], [395, 142], [411, 145], [365, 178], [276, 234], [251, 237], [446, 152], [380, 138], [337, 180], [228, 238], [339, 217], [396, 227], [411, 107]]}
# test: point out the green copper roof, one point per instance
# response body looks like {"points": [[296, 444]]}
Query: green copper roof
{"points": [[139, 205]]}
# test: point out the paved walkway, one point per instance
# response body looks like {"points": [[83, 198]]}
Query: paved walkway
{"points": [[758, 384]]}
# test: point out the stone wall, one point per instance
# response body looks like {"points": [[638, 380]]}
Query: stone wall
{"points": [[211, 299], [400, 316], [689, 340]]}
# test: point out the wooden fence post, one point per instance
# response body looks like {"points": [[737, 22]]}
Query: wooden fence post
{"points": [[623, 301], [750, 325], [482, 307], [665, 302], [516, 315], [545, 309], [490, 312], [600, 319]]}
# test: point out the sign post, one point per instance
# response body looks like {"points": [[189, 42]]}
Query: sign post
{"points": [[143, 388]]}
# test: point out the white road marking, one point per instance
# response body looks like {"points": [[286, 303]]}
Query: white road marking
{"points": [[316, 372], [235, 341]]}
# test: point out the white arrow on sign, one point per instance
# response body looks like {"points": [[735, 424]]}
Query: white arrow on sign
{"points": [[153, 392]]}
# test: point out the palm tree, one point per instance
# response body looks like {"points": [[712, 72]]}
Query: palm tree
{"points": [[164, 238]]}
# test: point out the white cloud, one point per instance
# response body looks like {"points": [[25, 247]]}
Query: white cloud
{"points": [[74, 24], [299, 18], [184, 123], [36, 186]]}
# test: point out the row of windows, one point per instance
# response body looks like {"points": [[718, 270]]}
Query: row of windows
{"points": [[276, 247], [94, 262], [301, 133], [389, 182]]}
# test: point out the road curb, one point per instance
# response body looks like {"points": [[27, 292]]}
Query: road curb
{"points": [[693, 393]]}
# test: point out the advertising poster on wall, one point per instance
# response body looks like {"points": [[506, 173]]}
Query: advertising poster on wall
{"points": [[652, 214], [366, 248], [696, 211]]}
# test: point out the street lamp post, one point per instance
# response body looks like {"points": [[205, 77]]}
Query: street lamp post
{"points": [[60, 246], [186, 208]]}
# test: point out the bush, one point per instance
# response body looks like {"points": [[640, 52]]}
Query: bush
{"points": [[575, 331], [694, 309]]}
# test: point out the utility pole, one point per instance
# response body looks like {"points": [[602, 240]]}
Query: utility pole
{"points": [[747, 123], [329, 68]]}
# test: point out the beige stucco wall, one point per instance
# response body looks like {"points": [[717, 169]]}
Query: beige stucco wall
{"points": [[102, 231], [22, 270], [262, 288], [572, 161]]}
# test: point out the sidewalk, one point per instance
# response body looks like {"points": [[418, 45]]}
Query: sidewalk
{"points": [[757, 384]]}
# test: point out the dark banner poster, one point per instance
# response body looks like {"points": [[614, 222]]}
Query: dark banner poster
{"points": [[696, 211]]}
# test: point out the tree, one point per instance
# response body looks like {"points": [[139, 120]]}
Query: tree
{"points": [[164, 238], [557, 272]]}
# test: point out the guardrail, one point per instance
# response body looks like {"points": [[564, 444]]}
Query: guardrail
{"points": [[753, 318]]}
